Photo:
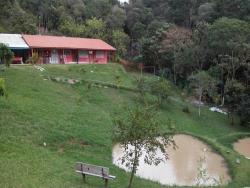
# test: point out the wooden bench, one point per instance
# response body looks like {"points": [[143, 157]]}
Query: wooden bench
{"points": [[93, 170]]}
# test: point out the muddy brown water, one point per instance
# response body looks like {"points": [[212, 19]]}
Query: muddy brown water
{"points": [[183, 164], [243, 147]]}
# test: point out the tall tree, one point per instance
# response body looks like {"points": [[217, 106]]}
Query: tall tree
{"points": [[95, 28], [97, 8], [233, 9], [174, 41], [184, 12], [15, 19], [243, 108], [120, 40], [233, 93], [203, 83], [228, 43], [116, 19], [206, 12]]}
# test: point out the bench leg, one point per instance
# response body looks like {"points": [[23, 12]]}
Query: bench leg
{"points": [[84, 178], [106, 183]]}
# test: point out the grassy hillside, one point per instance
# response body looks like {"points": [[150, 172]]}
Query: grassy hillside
{"points": [[75, 121]]}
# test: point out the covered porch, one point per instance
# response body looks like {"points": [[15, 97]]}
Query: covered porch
{"points": [[73, 56]]}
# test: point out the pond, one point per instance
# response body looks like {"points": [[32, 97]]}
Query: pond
{"points": [[243, 147], [185, 163]]}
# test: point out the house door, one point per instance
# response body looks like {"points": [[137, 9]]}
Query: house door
{"points": [[54, 57], [91, 57]]}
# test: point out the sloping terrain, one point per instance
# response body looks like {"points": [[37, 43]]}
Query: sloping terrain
{"points": [[47, 126]]}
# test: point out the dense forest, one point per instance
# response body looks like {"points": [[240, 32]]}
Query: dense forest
{"points": [[202, 45]]}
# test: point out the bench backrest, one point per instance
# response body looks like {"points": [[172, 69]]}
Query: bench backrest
{"points": [[92, 169]]}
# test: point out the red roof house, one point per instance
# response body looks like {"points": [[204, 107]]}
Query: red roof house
{"points": [[66, 50]]}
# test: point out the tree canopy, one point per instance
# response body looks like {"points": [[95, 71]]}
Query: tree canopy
{"points": [[178, 37]]}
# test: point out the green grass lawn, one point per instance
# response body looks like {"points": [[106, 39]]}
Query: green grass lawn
{"points": [[76, 123]]}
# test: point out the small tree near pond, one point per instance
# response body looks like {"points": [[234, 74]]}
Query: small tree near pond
{"points": [[203, 83], [203, 176], [137, 132], [6, 55]]}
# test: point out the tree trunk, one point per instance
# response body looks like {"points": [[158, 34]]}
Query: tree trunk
{"points": [[233, 67], [174, 73], [159, 101], [133, 169], [174, 66], [222, 100], [5, 62], [232, 117], [222, 89], [132, 176], [200, 98]]}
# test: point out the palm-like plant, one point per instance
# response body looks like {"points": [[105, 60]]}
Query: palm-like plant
{"points": [[6, 55]]}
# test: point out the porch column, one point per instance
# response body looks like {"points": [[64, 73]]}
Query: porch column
{"points": [[113, 58]]}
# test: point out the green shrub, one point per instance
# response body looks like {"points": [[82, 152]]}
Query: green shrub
{"points": [[2, 87], [82, 69], [118, 80], [161, 88], [186, 110]]}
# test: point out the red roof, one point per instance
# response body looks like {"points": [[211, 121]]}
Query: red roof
{"points": [[61, 42]]}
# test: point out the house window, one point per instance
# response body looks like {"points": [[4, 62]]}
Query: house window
{"points": [[99, 54], [83, 54], [67, 52]]}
